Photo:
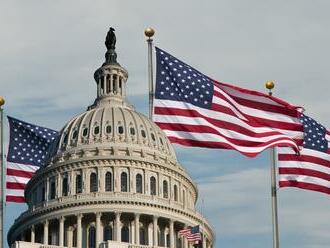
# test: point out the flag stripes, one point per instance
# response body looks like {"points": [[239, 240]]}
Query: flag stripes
{"points": [[310, 169], [18, 175], [194, 110]]}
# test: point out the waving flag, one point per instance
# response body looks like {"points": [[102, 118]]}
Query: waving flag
{"points": [[28, 150], [195, 110], [311, 169], [192, 234]]}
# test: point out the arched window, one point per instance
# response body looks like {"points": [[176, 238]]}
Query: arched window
{"points": [[78, 184], [43, 193], [93, 182], [108, 181], [165, 189], [125, 234], [138, 182], [92, 237], [52, 189], [175, 193], [107, 233], [123, 182], [152, 185], [65, 186]]}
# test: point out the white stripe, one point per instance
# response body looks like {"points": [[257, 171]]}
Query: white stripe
{"points": [[221, 117], [22, 167], [256, 112], [304, 165], [305, 179], [327, 137], [15, 179], [216, 138], [15, 192], [255, 98], [305, 151], [224, 103], [198, 121]]}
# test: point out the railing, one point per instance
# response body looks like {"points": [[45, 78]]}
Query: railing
{"points": [[23, 244], [115, 244]]}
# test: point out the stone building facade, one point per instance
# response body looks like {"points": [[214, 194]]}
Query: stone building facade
{"points": [[113, 180]]}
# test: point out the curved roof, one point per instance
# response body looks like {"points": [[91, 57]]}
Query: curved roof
{"points": [[109, 125]]}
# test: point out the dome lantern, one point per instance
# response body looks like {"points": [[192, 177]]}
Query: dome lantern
{"points": [[111, 77]]}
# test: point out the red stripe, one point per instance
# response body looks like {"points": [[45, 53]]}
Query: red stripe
{"points": [[255, 121], [19, 173], [11, 185], [207, 129], [305, 172], [218, 123], [215, 145], [304, 158], [260, 105], [255, 93], [18, 199], [308, 186]]}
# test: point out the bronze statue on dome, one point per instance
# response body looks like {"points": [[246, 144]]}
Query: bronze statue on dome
{"points": [[110, 40]]}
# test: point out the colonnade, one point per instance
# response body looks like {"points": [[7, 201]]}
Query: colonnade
{"points": [[76, 225]]}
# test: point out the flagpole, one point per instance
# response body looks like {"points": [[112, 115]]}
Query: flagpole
{"points": [[2, 173], [149, 32], [270, 85]]}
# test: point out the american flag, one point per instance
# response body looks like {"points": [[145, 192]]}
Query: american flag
{"points": [[192, 234], [28, 150], [195, 110], [311, 169]]}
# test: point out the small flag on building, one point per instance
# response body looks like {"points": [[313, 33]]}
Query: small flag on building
{"points": [[195, 110], [28, 150], [192, 234], [311, 168]]}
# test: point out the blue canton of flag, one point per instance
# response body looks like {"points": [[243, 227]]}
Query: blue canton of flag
{"points": [[314, 134], [29, 144], [179, 81]]}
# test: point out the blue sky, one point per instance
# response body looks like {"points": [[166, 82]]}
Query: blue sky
{"points": [[49, 52]]}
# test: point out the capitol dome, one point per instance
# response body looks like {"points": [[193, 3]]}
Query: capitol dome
{"points": [[112, 180]]}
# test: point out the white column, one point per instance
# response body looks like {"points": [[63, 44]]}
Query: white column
{"points": [[69, 237], [111, 88], [79, 231], [61, 231], [47, 189], [46, 232], [155, 230], [32, 234], [137, 229], [117, 85], [98, 229], [117, 227], [185, 241], [204, 240], [171, 234]]}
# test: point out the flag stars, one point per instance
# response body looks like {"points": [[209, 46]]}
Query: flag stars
{"points": [[196, 89]]}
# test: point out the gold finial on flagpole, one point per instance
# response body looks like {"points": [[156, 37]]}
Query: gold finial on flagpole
{"points": [[2, 101], [270, 85], [149, 32]]}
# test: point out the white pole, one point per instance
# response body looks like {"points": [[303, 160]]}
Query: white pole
{"points": [[149, 32], [2, 176], [276, 244]]}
